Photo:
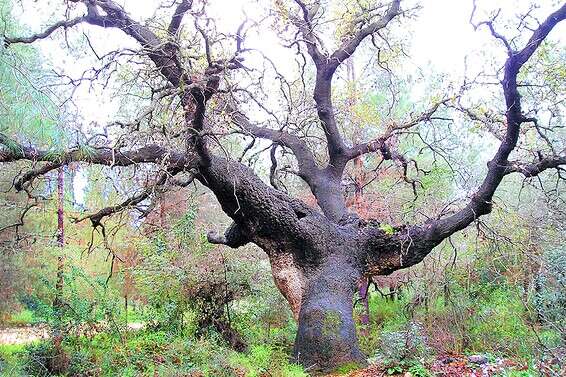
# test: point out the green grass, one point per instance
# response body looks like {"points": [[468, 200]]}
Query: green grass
{"points": [[21, 318], [385, 315], [8, 350], [347, 368], [498, 324], [10, 359]]}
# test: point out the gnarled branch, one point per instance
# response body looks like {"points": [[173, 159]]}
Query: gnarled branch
{"points": [[349, 46], [180, 11], [153, 153], [409, 245]]}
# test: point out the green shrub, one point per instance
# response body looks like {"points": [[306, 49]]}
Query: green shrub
{"points": [[80, 363], [498, 325], [550, 295], [262, 359], [406, 344], [39, 359], [10, 359]]}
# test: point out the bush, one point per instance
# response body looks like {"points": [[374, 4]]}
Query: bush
{"points": [[385, 315], [21, 318], [498, 324], [550, 295], [10, 359], [41, 359], [81, 364], [402, 345], [265, 360]]}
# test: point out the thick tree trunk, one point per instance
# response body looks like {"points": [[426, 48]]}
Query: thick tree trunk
{"points": [[289, 279], [326, 338]]}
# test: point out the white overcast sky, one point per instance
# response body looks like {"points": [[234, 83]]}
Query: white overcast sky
{"points": [[443, 37]]}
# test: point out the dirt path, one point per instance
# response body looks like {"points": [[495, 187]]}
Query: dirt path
{"points": [[23, 335], [28, 334]]}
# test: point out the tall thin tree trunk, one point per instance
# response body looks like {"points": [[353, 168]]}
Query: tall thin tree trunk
{"points": [[59, 361], [60, 235], [364, 297]]}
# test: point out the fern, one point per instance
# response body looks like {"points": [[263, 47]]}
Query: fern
{"points": [[388, 229], [13, 147], [54, 155], [86, 152]]}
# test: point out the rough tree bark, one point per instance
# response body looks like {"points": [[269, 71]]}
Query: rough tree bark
{"points": [[60, 358], [318, 255], [327, 332]]}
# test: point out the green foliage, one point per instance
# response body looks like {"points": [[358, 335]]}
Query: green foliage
{"points": [[406, 344], [86, 151], [184, 229], [88, 301], [265, 359], [550, 295], [385, 315], [38, 359], [346, 368], [331, 323], [163, 276], [479, 308], [148, 352], [389, 314], [419, 370], [23, 317], [255, 362], [11, 359], [27, 112], [520, 373], [436, 179], [499, 324], [415, 368], [397, 369], [387, 228], [11, 146]]}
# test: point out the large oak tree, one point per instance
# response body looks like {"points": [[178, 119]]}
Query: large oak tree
{"points": [[197, 78]]}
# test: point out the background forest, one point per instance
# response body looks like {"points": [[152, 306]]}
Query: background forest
{"points": [[147, 295]]}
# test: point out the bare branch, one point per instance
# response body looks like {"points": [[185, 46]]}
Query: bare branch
{"points": [[349, 47], [379, 143], [410, 245], [13, 151], [304, 156], [498, 167], [131, 202], [29, 176], [535, 168], [46, 33], [306, 28]]}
